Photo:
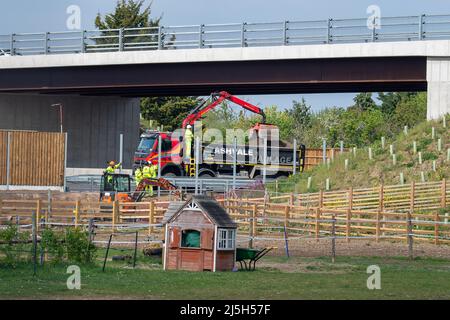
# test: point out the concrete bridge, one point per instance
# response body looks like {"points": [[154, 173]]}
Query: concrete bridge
{"points": [[159, 61]]}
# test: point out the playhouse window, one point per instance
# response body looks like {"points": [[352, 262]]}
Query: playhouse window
{"points": [[190, 239], [226, 239]]}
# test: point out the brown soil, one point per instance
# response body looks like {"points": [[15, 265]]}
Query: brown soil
{"points": [[385, 248]]}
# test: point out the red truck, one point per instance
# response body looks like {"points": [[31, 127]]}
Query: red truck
{"points": [[217, 159]]}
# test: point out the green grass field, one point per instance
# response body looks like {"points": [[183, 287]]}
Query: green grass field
{"points": [[275, 278]]}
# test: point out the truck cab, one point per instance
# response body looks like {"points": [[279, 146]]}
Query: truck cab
{"points": [[171, 156]]}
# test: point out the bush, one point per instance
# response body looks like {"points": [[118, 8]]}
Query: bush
{"points": [[12, 245], [78, 247], [52, 243], [73, 244]]}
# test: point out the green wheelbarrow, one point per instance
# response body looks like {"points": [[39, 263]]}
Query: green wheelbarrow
{"points": [[247, 257]]}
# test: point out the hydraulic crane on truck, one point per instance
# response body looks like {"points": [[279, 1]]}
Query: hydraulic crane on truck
{"points": [[171, 157], [217, 98]]}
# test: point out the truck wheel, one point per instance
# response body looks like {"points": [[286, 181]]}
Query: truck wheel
{"points": [[281, 176], [207, 174], [170, 175]]}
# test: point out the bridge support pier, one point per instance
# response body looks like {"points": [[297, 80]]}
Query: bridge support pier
{"points": [[438, 78]]}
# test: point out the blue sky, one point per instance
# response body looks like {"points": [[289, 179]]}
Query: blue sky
{"points": [[44, 15]]}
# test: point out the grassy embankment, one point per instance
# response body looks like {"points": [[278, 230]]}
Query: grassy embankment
{"points": [[363, 172]]}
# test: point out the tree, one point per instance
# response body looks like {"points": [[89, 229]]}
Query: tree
{"points": [[128, 14], [364, 101], [301, 116], [410, 111], [361, 128], [390, 100], [282, 120], [167, 111]]}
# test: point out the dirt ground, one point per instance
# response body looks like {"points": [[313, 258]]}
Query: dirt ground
{"points": [[383, 248]]}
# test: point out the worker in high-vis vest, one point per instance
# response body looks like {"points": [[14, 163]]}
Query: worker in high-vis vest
{"points": [[138, 176], [188, 137], [149, 172], [111, 169]]}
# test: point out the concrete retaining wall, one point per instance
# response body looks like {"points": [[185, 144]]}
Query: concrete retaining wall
{"points": [[93, 124]]}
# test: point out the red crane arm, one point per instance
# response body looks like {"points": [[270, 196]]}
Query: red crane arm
{"points": [[199, 111]]}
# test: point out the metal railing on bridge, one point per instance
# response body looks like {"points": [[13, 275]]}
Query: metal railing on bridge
{"points": [[359, 30]]}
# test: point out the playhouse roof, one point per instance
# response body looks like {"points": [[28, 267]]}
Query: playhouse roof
{"points": [[208, 205]]}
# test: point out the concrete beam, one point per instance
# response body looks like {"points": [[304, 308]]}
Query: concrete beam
{"points": [[321, 51]]}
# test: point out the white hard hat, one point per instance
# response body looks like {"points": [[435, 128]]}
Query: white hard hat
{"points": [[189, 126]]}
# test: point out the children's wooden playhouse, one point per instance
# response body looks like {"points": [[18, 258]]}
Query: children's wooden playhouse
{"points": [[199, 235]]}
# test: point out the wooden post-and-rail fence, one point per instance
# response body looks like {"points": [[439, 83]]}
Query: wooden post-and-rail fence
{"points": [[393, 212]]}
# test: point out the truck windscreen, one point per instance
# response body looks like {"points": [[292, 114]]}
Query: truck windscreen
{"points": [[146, 144]]}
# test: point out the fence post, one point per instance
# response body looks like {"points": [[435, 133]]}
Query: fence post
{"points": [[47, 35], [286, 225], [91, 229], [12, 50], [413, 194], [324, 151], [349, 216], [38, 214], [243, 34], [321, 198], [197, 156], [286, 216], [34, 238], [254, 221], [350, 198], [377, 232], [77, 212], [374, 32], [317, 223], [83, 45], [151, 217], [294, 158], [250, 227], [49, 206], [160, 39], [115, 214], [265, 161], [409, 235], [66, 137], [436, 227], [200, 36], [381, 198], [234, 161], [444, 193], [121, 39], [421, 21], [8, 161], [329, 26], [333, 239]]}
